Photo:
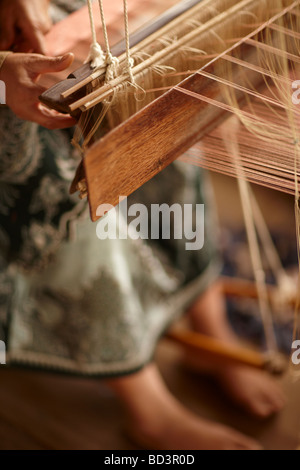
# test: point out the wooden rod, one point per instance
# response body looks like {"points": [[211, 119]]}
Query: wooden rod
{"points": [[214, 347], [97, 74], [233, 287], [221, 351]]}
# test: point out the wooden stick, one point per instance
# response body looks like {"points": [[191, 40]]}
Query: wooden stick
{"points": [[98, 73], [168, 117], [221, 351], [233, 287]]}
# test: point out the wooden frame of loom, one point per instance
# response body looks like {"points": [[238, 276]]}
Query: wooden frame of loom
{"points": [[139, 148], [134, 152]]}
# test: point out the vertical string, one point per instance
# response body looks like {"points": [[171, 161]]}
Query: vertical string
{"points": [[111, 61], [259, 274], [92, 22], [284, 282], [297, 217], [104, 27], [96, 55], [129, 60]]}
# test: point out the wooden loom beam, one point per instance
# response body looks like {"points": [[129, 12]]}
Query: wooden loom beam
{"points": [[146, 144], [242, 288], [217, 350]]}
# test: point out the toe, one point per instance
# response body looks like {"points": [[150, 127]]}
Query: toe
{"points": [[265, 405]]}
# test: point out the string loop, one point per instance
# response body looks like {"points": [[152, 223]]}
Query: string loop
{"points": [[96, 55]]}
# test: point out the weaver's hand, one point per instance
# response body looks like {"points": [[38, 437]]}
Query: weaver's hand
{"points": [[20, 73], [23, 24]]}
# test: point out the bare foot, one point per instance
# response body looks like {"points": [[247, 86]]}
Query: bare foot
{"points": [[256, 391], [156, 420], [180, 430]]}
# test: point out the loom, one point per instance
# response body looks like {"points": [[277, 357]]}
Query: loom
{"points": [[136, 139], [204, 72]]}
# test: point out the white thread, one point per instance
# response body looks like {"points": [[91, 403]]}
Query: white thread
{"points": [[129, 60], [256, 261], [90, 7], [96, 55], [111, 62], [104, 27], [112, 67], [286, 285], [259, 273]]}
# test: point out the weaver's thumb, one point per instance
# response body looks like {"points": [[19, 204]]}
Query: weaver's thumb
{"points": [[42, 64]]}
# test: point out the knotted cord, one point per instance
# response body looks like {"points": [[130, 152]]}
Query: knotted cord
{"points": [[111, 62], [96, 55], [129, 60]]}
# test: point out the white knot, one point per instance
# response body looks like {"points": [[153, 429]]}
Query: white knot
{"points": [[130, 65], [96, 56], [112, 67]]}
